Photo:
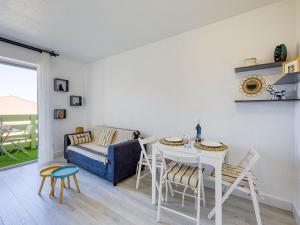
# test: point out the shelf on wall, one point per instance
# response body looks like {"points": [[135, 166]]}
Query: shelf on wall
{"points": [[266, 100], [258, 67], [289, 78]]}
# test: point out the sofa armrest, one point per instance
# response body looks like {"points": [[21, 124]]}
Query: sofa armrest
{"points": [[122, 160], [67, 142]]}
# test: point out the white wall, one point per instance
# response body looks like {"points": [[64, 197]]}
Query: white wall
{"points": [[164, 87], [64, 68]]}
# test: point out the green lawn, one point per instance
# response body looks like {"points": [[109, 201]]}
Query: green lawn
{"points": [[21, 158]]}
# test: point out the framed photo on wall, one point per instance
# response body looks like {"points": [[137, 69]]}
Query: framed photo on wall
{"points": [[291, 66], [60, 114], [75, 100], [61, 85]]}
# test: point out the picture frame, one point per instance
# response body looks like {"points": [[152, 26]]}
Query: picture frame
{"points": [[75, 100], [61, 85], [291, 66], [60, 114]]}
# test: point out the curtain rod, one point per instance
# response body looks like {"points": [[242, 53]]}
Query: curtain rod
{"points": [[52, 53]]}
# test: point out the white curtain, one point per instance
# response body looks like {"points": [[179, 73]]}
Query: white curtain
{"points": [[44, 110]]}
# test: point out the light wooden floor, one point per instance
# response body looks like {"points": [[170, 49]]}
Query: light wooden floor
{"points": [[101, 203]]}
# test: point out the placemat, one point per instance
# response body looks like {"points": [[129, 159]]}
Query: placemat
{"points": [[212, 149], [165, 142]]}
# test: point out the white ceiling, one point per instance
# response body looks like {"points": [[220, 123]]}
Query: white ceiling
{"points": [[88, 30]]}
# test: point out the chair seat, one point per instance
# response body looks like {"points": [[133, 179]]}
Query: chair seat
{"points": [[230, 173], [184, 174]]}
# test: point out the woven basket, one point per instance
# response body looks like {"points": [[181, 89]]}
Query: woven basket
{"points": [[212, 149]]}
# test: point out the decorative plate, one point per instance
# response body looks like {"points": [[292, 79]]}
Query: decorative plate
{"points": [[165, 142], [211, 144], [212, 149], [174, 139]]}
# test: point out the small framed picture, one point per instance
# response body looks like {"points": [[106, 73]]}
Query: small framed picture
{"points": [[60, 114], [61, 85], [75, 100], [291, 66]]}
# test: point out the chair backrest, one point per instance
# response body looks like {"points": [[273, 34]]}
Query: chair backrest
{"points": [[249, 159], [28, 129], [145, 141], [148, 140], [181, 157]]}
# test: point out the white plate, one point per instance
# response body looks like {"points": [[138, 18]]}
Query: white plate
{"points": [[173, 139], [211, 144]]}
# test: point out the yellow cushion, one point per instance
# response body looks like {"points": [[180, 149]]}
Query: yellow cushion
{"points": [[77, 139]]}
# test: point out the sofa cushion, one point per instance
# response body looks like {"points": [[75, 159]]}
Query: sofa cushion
{"points": [[80, 138], [120, 135], [91, 150], [106, 137]]}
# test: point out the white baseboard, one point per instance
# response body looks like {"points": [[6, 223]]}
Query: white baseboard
{"points": [[265, 198], [58, 154], [276, 202], [296, 214]]}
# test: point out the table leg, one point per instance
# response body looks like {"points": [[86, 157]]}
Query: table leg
{"points": [[42, 184], [154, 152], [218, 195], [68, 182], [76, 183], [53, 187], [62, 187]]}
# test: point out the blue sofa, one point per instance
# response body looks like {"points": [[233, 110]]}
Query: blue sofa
{"points": [[122, 159]]}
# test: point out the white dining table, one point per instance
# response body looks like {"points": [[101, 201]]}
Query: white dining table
{"points": [[214, 159]]}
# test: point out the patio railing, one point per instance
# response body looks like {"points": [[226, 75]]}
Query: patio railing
{"points": [[20, 122]]}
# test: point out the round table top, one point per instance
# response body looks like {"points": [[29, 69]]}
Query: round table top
{"points": [[46, 172], [64, 171]]}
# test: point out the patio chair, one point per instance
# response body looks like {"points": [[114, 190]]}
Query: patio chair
{"points": [[241, 178], [23, 138]]}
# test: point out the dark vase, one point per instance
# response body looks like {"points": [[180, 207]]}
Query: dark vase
{"points": [[280, 53], [198, 134]]}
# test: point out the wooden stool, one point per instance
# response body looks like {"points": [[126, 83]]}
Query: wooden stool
{"points": [[46, 172], [62, 173]]}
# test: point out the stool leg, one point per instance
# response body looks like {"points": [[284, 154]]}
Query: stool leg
{"points": [[53, 187], [42, 185], [62, 186], [51, 183], [76, 183], [69, 182]]}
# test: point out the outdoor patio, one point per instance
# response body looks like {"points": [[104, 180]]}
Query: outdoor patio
{"points": [[24, 150]]}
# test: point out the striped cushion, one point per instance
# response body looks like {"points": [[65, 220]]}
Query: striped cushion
{"points": [[77, 139], [230, 173], [183, 174], [106, 137]]}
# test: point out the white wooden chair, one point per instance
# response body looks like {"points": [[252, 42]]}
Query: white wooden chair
{"points": [[23, 138], [185, 170], [145, 159], [241, 178]]}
